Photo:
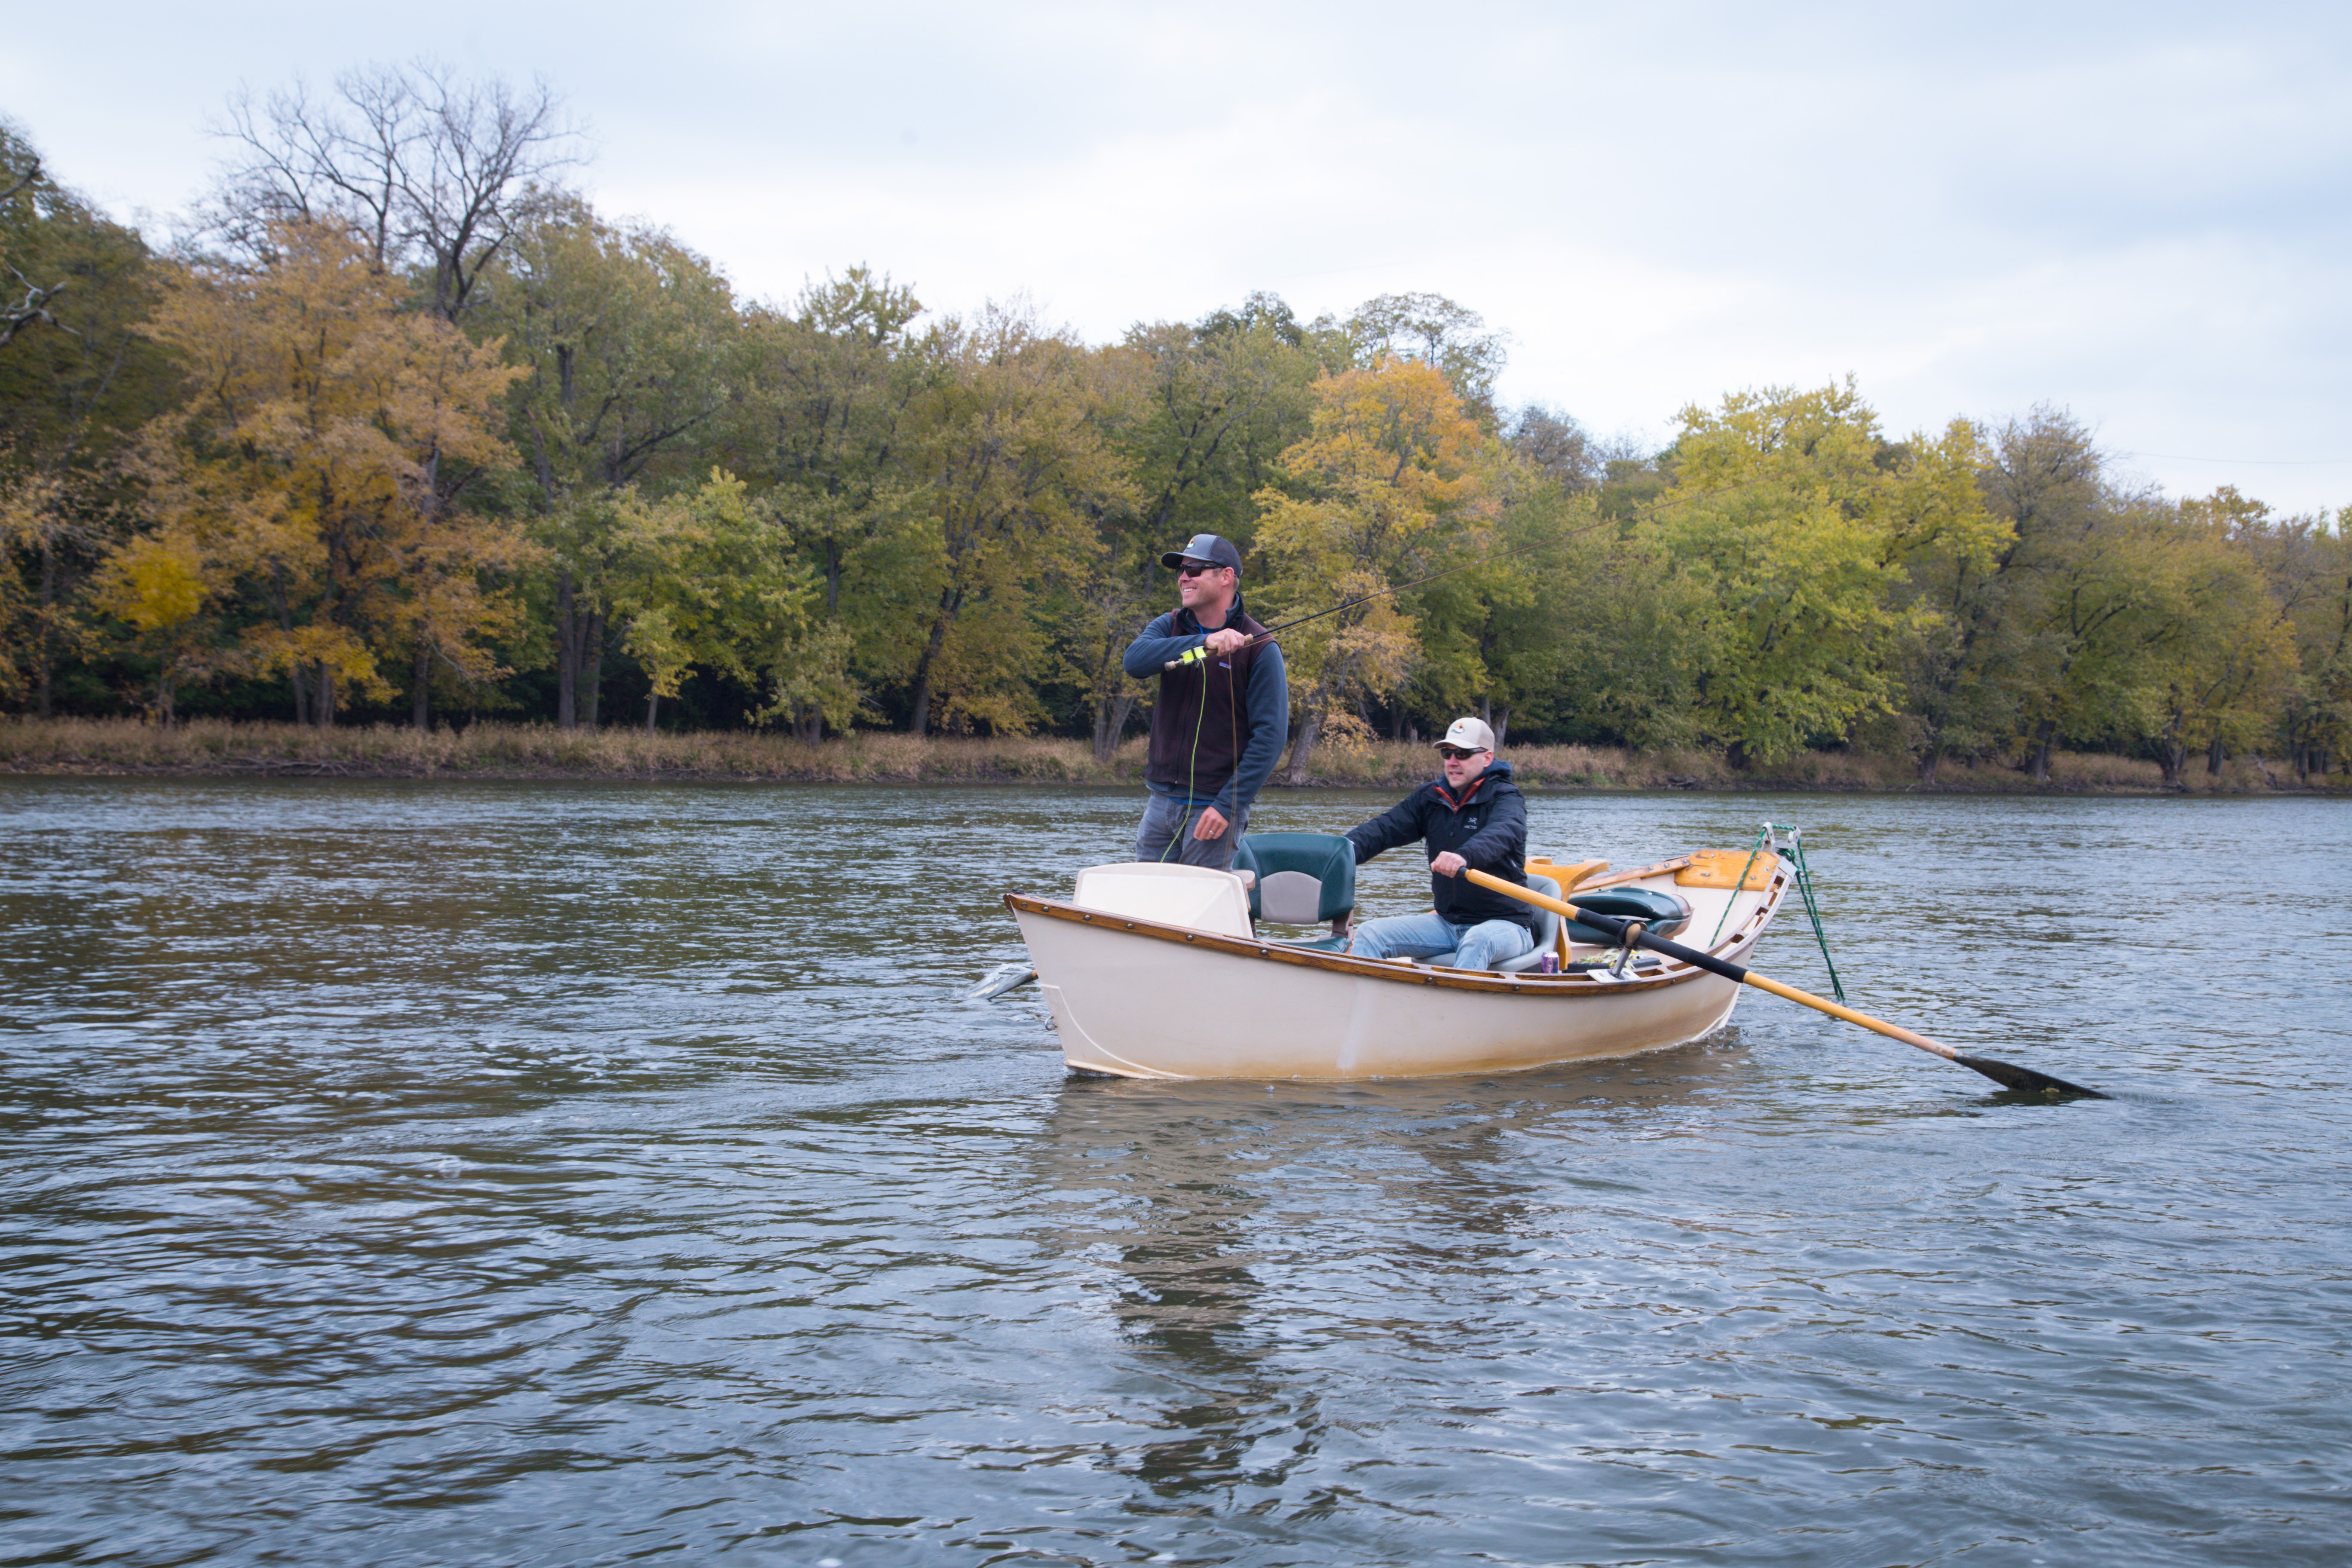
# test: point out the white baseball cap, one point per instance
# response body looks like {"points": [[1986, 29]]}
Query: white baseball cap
{"points": [[1470, 734]]}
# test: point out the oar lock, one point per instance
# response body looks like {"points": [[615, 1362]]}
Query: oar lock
{"points": [[1632, 939]]}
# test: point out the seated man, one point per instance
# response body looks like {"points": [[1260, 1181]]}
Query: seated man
{"points": [[1475, 816]]}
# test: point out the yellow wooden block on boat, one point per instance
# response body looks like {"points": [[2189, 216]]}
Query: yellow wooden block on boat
{"points": [[1567, 875], [1721, 867]]}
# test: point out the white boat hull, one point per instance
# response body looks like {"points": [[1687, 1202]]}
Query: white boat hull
{"points": [[1140, 998]]}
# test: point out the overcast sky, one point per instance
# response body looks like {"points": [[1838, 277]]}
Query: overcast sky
{"points": [[2138, 213]]}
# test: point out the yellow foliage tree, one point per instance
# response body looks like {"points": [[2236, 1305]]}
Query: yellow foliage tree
{"points": [[157, 583], [310, 471], [1389, 484]]}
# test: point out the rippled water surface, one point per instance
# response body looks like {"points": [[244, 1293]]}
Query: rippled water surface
{"points": [[550, 1174]]}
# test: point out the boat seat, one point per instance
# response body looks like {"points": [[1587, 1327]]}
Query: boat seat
{"points": [[1546, 933], [1303, 879]]}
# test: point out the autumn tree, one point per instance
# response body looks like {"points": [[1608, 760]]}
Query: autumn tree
{"points": [[1389, 485], [1433, 329], [301, 476]]}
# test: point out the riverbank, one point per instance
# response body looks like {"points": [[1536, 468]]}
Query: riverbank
{"points": [[212, 748]]}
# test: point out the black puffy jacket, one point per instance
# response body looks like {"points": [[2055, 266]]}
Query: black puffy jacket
{"points": [[1488, 828]]}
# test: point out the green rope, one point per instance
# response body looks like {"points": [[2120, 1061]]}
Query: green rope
{"points": [[1813, 909], [1796, 855], [1738, 882]]}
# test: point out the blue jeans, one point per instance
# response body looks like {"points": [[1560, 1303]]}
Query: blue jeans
{"points": [[1164, 815], [1475, 945]]}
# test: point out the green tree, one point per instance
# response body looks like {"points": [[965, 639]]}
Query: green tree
{"points": [[710, 579], [1012, 445], [77, 379], [632, 348], [1788, 521], [2310, 564], [2224, 649], [825, 425], [1969, 667], [1210, 407]]}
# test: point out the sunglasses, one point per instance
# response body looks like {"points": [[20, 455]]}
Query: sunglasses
{"points": [[1198, 569], [1455, 754]]}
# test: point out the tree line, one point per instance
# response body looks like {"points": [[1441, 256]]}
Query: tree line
{"points": [[404, 428]]}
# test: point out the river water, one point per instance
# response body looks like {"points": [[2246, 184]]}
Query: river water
{"points": [[540, 1174]]}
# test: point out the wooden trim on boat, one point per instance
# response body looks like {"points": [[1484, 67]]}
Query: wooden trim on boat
{"points": [[1673, 973], [1591, 884]]}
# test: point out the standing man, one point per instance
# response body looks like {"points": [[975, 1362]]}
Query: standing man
{"points": [[1475, 816], [1221, 719]]}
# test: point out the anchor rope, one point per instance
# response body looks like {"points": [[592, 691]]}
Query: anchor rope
{"points": [[1796, 857]]}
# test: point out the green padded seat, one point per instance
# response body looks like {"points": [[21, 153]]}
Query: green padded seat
{"points": [[1303, 879]]}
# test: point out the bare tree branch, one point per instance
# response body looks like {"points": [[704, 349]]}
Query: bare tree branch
{"points": [[34, 307], [429, 169], [32, 173]]}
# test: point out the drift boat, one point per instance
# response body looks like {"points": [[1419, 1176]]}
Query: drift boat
{"points": [[1156, 971]]}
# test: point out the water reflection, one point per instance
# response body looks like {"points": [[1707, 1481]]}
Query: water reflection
{"points": [[1204, 1215]]}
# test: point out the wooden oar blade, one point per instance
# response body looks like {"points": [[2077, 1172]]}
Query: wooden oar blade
{"points": [[2011, 1076]]}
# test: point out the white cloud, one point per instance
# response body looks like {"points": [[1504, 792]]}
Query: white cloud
{"points": [[2136, 212]]}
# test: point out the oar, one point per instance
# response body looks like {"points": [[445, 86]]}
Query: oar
{"points": [[2007, 1074]]}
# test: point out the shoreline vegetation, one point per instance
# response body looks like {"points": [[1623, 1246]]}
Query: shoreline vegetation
{"points": [[206, 748], [476, 451]]}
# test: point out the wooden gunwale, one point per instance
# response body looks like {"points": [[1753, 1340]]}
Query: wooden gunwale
{"points": [[1673, 973]]}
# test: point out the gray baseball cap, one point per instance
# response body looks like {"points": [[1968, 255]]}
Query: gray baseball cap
{"points": [[1208, 548]]}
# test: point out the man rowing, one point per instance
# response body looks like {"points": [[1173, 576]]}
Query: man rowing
{"points": [[1472, 816]]}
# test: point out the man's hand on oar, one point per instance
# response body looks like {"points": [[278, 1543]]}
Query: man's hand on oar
{"points": [[2006, 1074]]}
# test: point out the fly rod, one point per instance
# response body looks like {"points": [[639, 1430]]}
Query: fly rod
{"points": [[1194, 655]]}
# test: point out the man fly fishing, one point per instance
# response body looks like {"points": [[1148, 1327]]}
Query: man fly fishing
{"points": [[1222, 716]]}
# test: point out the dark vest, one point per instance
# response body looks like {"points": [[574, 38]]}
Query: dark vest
{"points": [[1211, 700]]}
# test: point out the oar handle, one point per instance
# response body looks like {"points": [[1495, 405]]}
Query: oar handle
{"points": [[1615, 927]]}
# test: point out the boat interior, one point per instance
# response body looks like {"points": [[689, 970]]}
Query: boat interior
{"points": [[1308, 880]]}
